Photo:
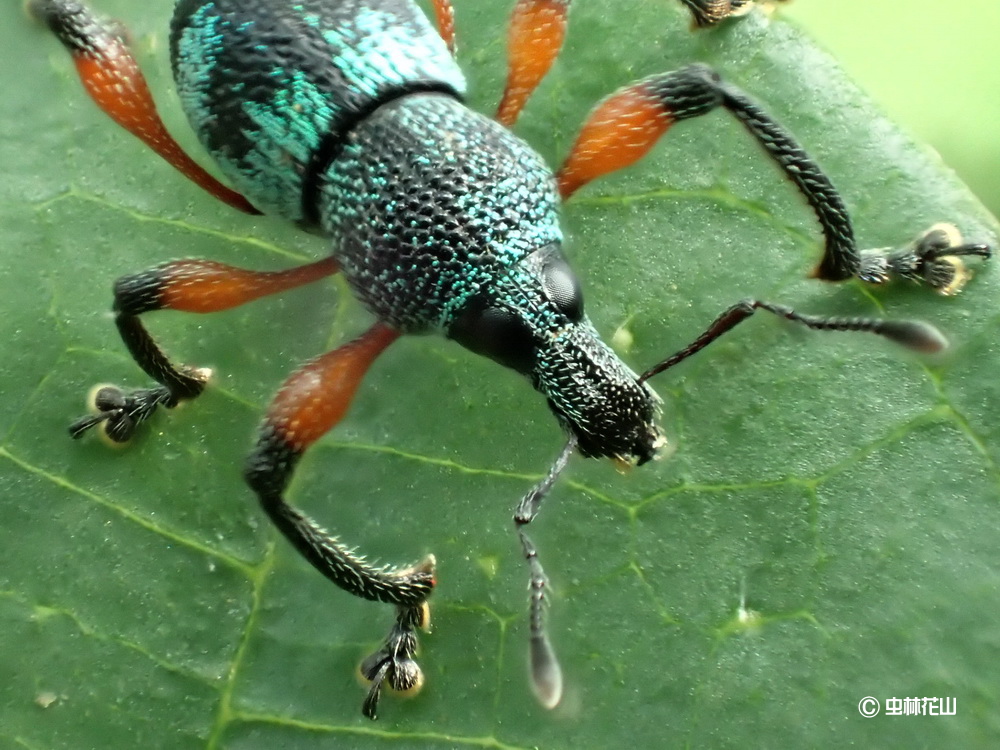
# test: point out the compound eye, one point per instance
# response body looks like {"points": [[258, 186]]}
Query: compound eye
{"points": [[562, 288], [498, 334]]}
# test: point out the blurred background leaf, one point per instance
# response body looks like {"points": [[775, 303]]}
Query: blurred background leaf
{"points": [[934, 67], [825, 530]]}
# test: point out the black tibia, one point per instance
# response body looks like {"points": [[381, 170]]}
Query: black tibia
{"points": [[691, 91], [181, 381], [269, 469], [121, 411], [933, 258], [840, 259], [696, 90], [914, 334], [546, 674], [75, 25]]}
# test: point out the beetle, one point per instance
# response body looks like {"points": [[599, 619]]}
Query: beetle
{"points": [[347, 118]]}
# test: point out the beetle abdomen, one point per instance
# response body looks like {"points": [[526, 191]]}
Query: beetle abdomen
{"points": [[429, 203], [272, 87]]}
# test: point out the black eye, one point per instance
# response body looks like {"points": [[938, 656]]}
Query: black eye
{"points": [[562, 288], [498, 334]]}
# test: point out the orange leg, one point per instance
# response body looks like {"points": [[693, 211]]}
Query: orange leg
{"points": [[188, 285], [315, 398], [620, 131], [310, 403], [537, 30], [111, 76], [536, 34], [204, 286], [445, 14]]}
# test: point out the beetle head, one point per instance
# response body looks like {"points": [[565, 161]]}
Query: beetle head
{"points": [[531, 319]]}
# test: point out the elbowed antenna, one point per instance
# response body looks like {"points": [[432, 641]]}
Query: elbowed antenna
{"points": [[546, 674], [914, 334]]}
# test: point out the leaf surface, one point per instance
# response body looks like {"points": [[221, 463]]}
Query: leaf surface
{"points": [[825, 529]]}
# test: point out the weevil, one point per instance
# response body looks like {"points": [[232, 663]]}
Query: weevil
{"points": [[347, 118]]}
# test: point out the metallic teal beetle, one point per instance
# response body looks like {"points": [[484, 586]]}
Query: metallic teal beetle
{"points": [[346, 117]]}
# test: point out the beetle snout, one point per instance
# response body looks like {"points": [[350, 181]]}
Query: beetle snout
{"points": [[622, 426], [598, 399]]}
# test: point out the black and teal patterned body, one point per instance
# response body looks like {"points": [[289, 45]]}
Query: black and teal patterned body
{"points": [[272, 87], [346, 117], [431, 205]]}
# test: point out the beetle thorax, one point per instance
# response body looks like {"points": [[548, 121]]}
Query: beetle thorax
{"points": [[428, 203]]}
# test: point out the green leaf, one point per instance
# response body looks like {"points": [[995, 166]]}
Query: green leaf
{"points": [[824, 531]]}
